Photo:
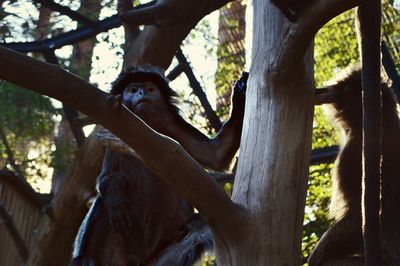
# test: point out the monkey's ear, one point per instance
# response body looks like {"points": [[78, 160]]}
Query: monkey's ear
{"points": [[325, 95]]}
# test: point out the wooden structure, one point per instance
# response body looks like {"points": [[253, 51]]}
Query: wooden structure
{"points": [[21, 212]]}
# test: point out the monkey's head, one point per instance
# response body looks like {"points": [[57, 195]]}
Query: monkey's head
{"points": [[146, 92], [344, 97]]}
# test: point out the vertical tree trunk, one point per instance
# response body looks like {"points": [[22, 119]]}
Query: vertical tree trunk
{"points": [[275, 148]]}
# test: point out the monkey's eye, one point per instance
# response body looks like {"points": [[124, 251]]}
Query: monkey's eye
{"points": [[150, 89], [133, 90]]}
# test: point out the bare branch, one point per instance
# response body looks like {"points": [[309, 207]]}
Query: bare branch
{"points": [[166, 157], [10, 155], [298, 36], [167, 11], [152, 15], [175, 25], [114, 143]]}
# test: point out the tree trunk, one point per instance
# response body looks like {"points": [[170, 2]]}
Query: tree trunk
{"points": [[276, 142]]}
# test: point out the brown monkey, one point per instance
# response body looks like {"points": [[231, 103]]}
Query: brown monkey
{"points": [[342, 244], [137, 218], [368, 21], [292, 8]]}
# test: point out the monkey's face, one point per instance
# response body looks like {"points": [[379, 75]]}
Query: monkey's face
{"points": [[141, 95], [145, 100]]}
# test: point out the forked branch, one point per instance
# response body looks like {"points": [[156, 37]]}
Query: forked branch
{"points": [[299, 35]]}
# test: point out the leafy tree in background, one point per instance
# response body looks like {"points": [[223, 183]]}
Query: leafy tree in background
{"points": [[27, 122]]}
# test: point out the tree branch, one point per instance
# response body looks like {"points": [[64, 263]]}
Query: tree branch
{"points": [[298, 36], [164, 12], [175, 24], [151, 15], [10, 155], [166, 157]]}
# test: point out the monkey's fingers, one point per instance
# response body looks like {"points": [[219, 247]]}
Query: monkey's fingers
{"points": [[241, 84]]}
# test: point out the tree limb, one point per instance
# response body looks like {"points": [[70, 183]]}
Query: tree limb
{"points": [[175, 25], [152, 15], [166, 157], [10, 155], [164, 12], [298, 36]]}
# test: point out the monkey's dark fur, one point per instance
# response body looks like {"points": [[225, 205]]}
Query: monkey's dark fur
{"points": [[137, 218], [291, 9], [342, 244]]}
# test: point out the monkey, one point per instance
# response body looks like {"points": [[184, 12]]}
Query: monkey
{"points": [[145, 214], [291, 9], [368, 23], [342, 244]]}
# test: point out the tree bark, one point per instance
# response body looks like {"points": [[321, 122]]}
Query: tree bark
{"points": [[272, 171]]}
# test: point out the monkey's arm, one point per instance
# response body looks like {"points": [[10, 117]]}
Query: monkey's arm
{"points": [[216, 153]]}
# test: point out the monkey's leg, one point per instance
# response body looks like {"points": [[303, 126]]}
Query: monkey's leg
{"points": [[343, 239], [351, 261], [391, 240]]}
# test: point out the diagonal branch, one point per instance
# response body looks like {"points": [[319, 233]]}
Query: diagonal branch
{"points": [[151, 15], [10, 155], [298, 36], [162, 12], [165, 157]]}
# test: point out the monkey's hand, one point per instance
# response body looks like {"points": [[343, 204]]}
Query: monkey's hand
{"points": [[117, 204], [239, 94], [115, 101], [82, 261], [241, 83]]}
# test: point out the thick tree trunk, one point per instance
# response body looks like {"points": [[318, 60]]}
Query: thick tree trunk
{"points": [[275, 148]]}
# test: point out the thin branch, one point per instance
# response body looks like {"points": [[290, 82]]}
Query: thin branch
{"points": [[10, 155], [198, 90], [166, 157], [63, 10], [14, 233], [163, 12], [151, 15], [67, 38], [298, 36]]}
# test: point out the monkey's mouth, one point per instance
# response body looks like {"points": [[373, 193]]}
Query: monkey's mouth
{"points": [[141, 102]]}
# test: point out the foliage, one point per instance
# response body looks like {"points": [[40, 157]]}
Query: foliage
{"points": [[27, 119]]}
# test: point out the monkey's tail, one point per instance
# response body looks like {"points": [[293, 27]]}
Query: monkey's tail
{"points": [[187, 251]]}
